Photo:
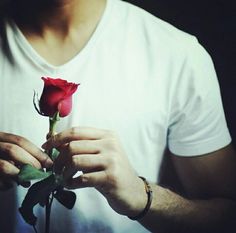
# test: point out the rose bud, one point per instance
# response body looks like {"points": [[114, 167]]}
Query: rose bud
{"points": [[56, 97]]}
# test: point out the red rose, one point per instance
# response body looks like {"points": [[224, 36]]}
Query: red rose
{"points": [[56, 97]]}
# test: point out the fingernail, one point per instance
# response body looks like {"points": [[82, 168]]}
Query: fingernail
{"points": [[44, 146], [48, 163]]}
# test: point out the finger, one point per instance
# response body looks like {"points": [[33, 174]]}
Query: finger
{"points": [[76, 148], [93, 179], [28, 146], [85, 163], [7, 169], [17, 155], [8, 174], [76, 133]]}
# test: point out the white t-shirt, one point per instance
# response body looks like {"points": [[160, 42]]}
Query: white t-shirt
{"points": [[141, 77]]}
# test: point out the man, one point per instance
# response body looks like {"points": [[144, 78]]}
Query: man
{"points": [[146, 89]]}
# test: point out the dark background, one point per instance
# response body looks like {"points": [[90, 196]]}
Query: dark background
{"points": [[214, 24]]}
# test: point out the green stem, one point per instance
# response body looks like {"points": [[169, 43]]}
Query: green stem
{"points": [[52, 126], [35, 230], [52, 123], [48, 213]]}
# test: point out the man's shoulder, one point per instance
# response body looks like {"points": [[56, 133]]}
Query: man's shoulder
{"points": [[141, 23]]}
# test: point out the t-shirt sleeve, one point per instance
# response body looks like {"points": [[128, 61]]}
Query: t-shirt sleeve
{"points": [[197, 122]]}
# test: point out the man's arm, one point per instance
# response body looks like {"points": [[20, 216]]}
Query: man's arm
{"points": [[210, 202], [208, 180]]}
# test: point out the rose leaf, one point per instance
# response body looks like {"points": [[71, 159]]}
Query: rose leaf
{"points": [[55, 154], [28, 173], [36, 194], [66, 198]]}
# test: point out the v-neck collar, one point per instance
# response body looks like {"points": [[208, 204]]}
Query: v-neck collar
{"points": [[36, 58]]}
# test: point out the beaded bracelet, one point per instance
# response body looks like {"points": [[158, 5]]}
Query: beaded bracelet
{"points": [[148, 190]]}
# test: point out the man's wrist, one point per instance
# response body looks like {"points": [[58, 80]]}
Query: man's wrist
{"points": [[148, 190]]}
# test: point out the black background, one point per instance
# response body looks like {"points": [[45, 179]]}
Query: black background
{"points": [[214, 24]]}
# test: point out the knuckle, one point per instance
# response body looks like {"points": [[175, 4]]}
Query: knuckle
{"points": [[10, 148], [74, 131], [110, 134], [74, 161], [111, 178], [19, 140], [112, 162], [84, 178], [113, 143], [110, 144], [36, 164], [4, 167], [70, 148], [86, 145]]}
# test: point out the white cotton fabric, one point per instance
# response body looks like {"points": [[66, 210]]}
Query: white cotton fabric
{"points": [[152, 84]]}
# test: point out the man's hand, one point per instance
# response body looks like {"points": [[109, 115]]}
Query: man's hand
{"points": [[98, 154], [16, 151]]}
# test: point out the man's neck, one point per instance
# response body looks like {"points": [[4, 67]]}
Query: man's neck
{"points": [[63, 29], [62, 16]]}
